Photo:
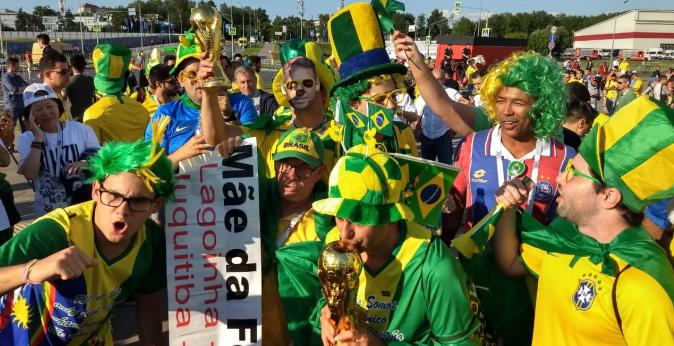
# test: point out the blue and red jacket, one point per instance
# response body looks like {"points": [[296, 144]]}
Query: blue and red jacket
{"points": [[478, 180]]}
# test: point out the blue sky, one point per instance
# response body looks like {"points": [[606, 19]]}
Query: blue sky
{"points": [[315, 7]]}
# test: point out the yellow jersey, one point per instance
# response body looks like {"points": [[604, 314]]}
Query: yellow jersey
{"points": [[575, 305], [117, 118]]}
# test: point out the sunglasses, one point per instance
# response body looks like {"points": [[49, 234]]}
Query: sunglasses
{"points": [[62, 72], [382, 99], [570, 169], [306, 83], [188, 74]]}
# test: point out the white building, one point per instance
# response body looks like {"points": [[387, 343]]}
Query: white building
{"points": [[633, 30], [89, 22], [8, 18]]}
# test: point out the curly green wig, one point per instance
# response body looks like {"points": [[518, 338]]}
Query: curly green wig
{"points": [[120, 157], [144, 158], [537, 76]]}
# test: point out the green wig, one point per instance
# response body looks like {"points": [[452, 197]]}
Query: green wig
{"points": [[540, 78], [351, 91], [144, 158]]}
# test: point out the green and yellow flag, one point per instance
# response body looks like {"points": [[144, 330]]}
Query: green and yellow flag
{"points": [[356, 124], [429, 184], [473, 242]]}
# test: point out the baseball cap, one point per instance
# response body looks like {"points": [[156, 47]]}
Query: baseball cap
{"points": [[302, 144], [38, 92]]}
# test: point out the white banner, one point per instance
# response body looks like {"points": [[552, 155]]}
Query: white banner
{"points": [[213, 254]]}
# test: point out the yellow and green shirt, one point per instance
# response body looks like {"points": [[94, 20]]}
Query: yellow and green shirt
{"points": [[76, 311], [575, 304], [117, 118], [420, 296]]}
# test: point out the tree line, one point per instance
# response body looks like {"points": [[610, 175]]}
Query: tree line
{"points": [[533, 26]]}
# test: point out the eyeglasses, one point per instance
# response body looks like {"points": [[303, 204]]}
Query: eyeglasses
{"points": [[302, 171], [113, 199], [63, 72], [306, 83], [382, 99], [188, 74], [170, 81], [572, 170]]}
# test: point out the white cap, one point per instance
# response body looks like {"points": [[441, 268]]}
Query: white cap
{"points": [[38, 92]]}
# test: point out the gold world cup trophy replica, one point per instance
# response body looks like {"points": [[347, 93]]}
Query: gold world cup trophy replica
{"points": [[207, 24], [338, 269]]}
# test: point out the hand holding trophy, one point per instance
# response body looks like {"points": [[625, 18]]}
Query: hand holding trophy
{"points": [[207, 24], [338, 269]]}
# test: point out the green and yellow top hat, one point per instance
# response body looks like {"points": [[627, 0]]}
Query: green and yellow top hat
{"points": [[302, 144], [366, 187], [358, 45], [310, 50], [188, 48], [634, 152], [111, 61]]}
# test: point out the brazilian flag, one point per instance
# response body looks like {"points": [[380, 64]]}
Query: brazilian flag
{"points": [[429, 185], [381, 119]]}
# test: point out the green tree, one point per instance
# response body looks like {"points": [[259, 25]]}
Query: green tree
{"points": [[402, 21], [42, 11], [421, 25], [437, 23], [464, 27], [538, 40]]}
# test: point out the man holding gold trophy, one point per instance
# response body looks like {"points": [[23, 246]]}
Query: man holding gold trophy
{"points": [[187, 135], [411, 288]]}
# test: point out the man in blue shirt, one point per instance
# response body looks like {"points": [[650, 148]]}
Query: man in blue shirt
{"points": [[12, 91], [184, 136], [436, 138]]}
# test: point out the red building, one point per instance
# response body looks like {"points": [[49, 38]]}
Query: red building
{"points": [[493, 49]]}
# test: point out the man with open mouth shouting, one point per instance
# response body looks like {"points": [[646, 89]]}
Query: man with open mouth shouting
{"points": [[62, 276]]}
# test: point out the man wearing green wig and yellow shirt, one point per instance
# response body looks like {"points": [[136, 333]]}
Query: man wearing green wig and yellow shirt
{"points": [[62, 276], [411, 290], [602, 279], [114, 116]]}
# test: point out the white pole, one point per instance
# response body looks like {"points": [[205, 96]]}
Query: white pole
{"points": [[81, 33], [231, 15], [140, 25]]}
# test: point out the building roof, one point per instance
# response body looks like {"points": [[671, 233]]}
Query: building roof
{"points": [[481, 41]]}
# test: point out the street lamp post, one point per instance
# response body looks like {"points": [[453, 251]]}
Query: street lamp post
{"points": [[615, 22], [428, 43]]}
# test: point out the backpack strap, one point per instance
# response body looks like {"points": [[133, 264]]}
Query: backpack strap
{"points": [[614, 299]]}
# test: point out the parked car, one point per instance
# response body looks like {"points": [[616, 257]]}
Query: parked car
{"points": [[669, 54], [654, 53]]}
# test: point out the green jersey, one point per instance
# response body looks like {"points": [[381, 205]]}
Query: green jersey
{"points": [[420, 296]]}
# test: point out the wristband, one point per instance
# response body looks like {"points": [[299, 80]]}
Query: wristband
{"points": [[26, 272], [37, 145]]}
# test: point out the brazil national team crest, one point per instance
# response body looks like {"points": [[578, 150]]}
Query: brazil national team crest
{"points": [[584, 295]]}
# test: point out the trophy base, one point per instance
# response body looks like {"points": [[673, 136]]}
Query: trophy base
{"points": [[215, 84]]}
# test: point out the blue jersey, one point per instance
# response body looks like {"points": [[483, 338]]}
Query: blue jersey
{"points": [[184, 122], [243, 108]]}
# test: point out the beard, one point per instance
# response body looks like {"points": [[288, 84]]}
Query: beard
{"points": [[574, 211]]}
